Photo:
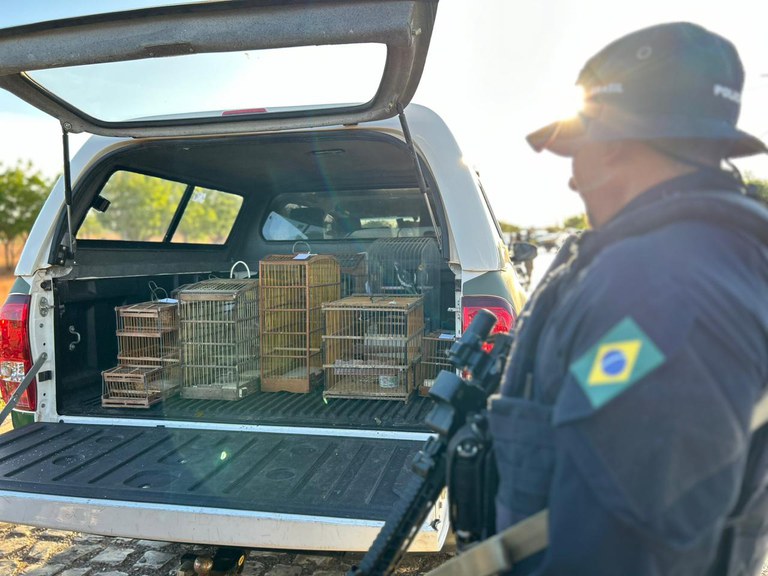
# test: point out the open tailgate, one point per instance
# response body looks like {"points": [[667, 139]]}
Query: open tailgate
{"points": [[336, 476]]}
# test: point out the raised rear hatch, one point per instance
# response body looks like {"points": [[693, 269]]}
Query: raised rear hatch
{"points": [[322, 62]]}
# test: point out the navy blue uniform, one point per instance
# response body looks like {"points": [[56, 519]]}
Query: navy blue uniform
{"points": [[627, 400]]}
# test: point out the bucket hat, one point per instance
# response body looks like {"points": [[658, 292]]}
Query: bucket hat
{"points": [[670, 81]]}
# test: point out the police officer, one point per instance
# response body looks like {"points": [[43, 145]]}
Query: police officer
{"points": [[625, 408]]}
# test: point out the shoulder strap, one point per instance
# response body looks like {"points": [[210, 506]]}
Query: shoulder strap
{"points": [[499, 553]]}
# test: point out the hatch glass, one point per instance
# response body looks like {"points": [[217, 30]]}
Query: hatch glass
{"points": [[212, 84]]}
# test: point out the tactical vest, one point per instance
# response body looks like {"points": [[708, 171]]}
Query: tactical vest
{"points": [[520, 422]]}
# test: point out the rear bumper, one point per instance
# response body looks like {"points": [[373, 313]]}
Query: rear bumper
{"points": [[214, 526]]}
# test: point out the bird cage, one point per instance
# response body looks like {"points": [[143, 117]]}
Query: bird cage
{"points": [[354, 273], [138, 386], [434, 358], [293, 289], [147, 334], [219, 327], [372, 345], [403, 266]]}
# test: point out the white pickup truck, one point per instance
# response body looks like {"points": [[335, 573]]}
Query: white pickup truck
{"points": [[150, 205]]}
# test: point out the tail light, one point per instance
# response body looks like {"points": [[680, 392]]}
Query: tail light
{"points": [[15, 355], [471, 305]]}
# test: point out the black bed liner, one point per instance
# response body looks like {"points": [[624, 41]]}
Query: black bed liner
{"points": [[332, 476], [273, 409]]}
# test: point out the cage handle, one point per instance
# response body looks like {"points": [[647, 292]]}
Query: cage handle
{"points": [[309, 248], [232, 270], [156, 291]]}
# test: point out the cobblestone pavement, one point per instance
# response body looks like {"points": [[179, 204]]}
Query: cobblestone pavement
{"points": [[38, 552]]}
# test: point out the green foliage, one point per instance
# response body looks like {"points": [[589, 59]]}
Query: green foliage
{"points": [[142, 207], [759, 187], [579, 222], [510, 228], [208, 218], [22, 193]]}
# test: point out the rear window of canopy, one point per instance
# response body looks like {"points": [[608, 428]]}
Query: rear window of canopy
{"points": [[207, 84]]}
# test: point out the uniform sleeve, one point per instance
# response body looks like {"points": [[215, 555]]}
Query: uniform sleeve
{"points": [[651, 429]]}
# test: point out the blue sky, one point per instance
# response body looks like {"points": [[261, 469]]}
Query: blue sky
{"points": [[496, 70]]}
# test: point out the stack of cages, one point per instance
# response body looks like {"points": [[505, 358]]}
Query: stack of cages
{"points": [[354, 273], [434, 358], [219, 321], [403, 266], [372, 346], [148, 356], [293, 289]]}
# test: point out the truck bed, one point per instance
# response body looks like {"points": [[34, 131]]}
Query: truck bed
{"points": [[271, 409], [332, 476]]}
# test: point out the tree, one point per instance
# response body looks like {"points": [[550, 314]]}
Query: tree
{"points": [[509, 228], [757, 186], [579, 222], [22, 193], [142, 207]]}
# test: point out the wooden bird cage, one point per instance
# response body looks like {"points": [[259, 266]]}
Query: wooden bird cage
{"points": [[372, 346], [435, 346], [292, 291], [138, 386], [147, 334], [219, 327]]}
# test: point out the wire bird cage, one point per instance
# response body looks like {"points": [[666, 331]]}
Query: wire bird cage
{"points": [[402, 266], [434, 358], [219, 325], [148, 356], [372, 346], [293, 288], [354, 273], [138, 386]]}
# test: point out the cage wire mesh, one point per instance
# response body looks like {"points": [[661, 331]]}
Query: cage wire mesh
{"points": [[435, 346], [372, 346], [219, 328], [148, 356], [402, 266], [293, 289]]}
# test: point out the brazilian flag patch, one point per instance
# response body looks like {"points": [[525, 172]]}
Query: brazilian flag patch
{"points": [[619, 359]]}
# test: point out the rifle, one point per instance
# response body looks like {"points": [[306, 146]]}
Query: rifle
{"points": [[458, 406]]}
